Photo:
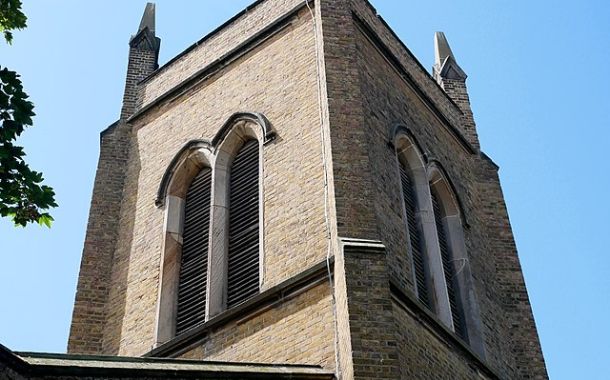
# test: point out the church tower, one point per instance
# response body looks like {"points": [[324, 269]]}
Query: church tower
{"points": [[296, 189]]}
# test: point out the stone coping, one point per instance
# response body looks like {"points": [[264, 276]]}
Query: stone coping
{"points": [[48, 364]]}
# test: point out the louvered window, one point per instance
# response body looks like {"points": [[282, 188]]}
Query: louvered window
{"points": [[448, 268], [243, 266], [410, 199], [194, 261]]}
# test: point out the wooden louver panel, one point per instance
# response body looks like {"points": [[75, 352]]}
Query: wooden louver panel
{"points": [[408, 192], [448, 268], [243, 270], [194, 261]]}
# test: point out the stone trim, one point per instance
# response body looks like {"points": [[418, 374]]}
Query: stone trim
{"points": [[401, 129], [268, 133], [280, 293], [174, 165], [408, 153], [430, 161], [52, 366], [452, 225], [186, 164], [436, 165]]}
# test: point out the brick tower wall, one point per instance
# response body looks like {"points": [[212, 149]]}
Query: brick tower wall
{"points": [[278, 79], [374, 83]]}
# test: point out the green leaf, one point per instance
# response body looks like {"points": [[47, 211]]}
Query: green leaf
{"points": [[45, 220], [23, 198]]}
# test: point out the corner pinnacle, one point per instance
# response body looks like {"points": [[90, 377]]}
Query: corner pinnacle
{"points": [[148, 18], [442, 50], [445, 64]]}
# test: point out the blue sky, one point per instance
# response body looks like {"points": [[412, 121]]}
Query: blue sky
{"points": [[540, 96]]}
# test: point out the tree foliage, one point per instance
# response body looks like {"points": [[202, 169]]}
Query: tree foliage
{"points": [[23, 198], [11, 18]]}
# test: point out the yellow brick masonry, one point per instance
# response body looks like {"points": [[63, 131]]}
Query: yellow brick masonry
{"points": [[298, 331], [364, 97], [254, 20], [278, 79]]}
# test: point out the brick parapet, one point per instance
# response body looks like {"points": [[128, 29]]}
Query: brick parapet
{"points": [[212, 47], [143, 55]]}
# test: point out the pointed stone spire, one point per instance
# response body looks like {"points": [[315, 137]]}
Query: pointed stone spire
{"points": [[143, 60], [452, 79], [445, 64], [148, 18], [146, 30], [442, 50]]}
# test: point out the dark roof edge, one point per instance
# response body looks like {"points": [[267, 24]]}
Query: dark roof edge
{"points": [[12, 360], [203, 39], [15, 361], [146, 359], [40, 370]]}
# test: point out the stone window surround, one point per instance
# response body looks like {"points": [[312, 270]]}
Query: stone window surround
{"points": [[428, 176], [218, 155]]}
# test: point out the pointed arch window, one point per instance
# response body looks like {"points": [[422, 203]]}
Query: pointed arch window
{"points": [[449, 268], [415, 235], [436, 243], [211, 192], [192, 285], [243, 250], [462, 313]]}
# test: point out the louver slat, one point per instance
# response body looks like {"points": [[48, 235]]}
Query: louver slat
{"points": [[194, 262], [448, 268], [408, 192], [243, 271]]}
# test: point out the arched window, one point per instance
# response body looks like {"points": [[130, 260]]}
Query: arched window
{"points": [[435, 227], [448, 217], [185, 193], [194, 259], [243, 252], [213, 242], [415, 203], [449, 267], [415, 235]]}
